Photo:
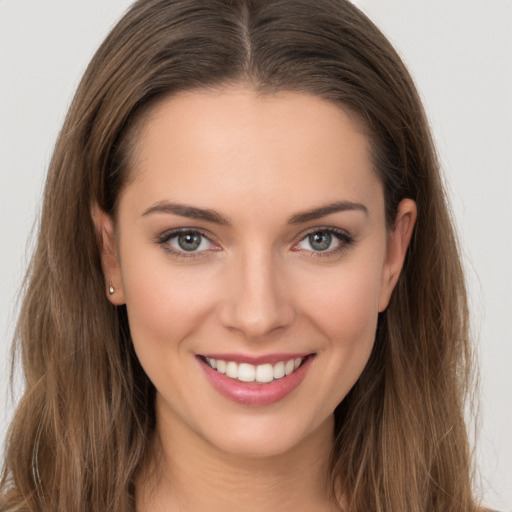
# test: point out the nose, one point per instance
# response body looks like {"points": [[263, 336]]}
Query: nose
{"points": [[256, 300]]}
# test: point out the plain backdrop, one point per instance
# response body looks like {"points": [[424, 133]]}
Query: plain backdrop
{"points": [[460, 55]]}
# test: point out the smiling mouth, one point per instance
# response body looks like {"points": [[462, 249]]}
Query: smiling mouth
{"points": [[255, 381], [261, 373]]}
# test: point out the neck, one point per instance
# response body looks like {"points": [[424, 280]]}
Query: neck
{"points": [[190, 475]]}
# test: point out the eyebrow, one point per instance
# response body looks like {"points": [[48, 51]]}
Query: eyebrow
{"points": [[193, 212], [323, 211]]}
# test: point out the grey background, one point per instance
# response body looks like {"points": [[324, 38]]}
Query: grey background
{"points": [[460, 54]]}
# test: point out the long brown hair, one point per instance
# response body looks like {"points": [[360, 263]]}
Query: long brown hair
{"points": [[80, 431]]}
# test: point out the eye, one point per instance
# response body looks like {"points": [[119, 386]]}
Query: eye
{"points": [[189, 241], [326, 240], [319, 241], [186, 243]]}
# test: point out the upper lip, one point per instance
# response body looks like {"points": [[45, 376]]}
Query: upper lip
{"points": [[256, 360]]}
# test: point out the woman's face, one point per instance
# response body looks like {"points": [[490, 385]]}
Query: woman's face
{"points": [[252, 239]]}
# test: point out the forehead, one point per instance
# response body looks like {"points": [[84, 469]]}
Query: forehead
{"points": [[218, 145]]}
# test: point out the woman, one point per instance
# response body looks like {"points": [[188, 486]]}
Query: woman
{"points": [[246, 290]]}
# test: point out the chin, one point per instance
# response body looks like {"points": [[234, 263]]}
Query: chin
{"points": [[269, 437]]}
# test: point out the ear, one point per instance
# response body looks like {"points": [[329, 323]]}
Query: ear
{"points": [[105, 235], [398, 242]]}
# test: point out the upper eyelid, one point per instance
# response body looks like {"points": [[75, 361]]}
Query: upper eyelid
{"points": [[329, 229]]}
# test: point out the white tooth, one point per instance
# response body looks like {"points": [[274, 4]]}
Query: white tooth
{"points": [[221, 366], [264, 373], [246, 372], [289, 367], [213, 363], [279, 370], [297, 362], [232, 370]]}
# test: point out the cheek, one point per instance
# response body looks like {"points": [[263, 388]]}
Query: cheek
{"points": [[164, 303], [166, 308], [344, 302], [343, 307]]}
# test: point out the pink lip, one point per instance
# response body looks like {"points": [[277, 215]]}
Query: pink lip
{"points": [[251, 393]]}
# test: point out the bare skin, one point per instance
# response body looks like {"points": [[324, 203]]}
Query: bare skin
{"points": [[206, 480], [252, 228]]}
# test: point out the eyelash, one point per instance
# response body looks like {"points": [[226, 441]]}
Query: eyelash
{"points": [[345, 239], [164, 239]]}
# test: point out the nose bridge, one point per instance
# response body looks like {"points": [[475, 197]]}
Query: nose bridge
{"points": [[256, 302]]}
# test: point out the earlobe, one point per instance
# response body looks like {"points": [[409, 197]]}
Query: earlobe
{"points": [[105, 235], [398, 244]]}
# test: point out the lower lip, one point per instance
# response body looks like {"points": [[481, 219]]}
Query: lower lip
{"points": [[251, 393]]}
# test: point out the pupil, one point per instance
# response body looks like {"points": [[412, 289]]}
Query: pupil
{"points": [[189, 241], [320, 241]]}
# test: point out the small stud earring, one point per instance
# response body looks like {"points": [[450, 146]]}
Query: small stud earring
{"points": [[111, 290]]}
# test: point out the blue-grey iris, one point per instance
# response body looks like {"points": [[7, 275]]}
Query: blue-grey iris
{"points": [[320, 241], [189, 241]]}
